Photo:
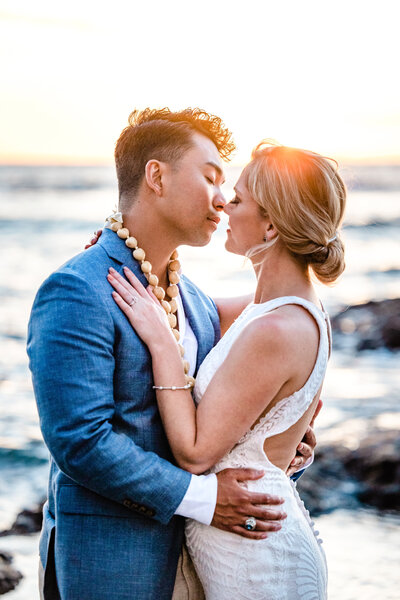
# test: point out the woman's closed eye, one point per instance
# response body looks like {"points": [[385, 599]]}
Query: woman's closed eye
{"points": [[210, 180], [234, 200]]}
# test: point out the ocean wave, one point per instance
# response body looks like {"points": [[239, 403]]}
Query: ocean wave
{"points": [[372, 177], [374, 224], [58, 179], [34, 453], [384, 273], [36, 224], [78, 178]]}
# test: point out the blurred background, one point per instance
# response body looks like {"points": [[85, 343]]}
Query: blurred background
{"points": [[311, 74]]}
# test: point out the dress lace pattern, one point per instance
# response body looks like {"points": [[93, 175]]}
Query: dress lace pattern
{"points": [[290, 564]]}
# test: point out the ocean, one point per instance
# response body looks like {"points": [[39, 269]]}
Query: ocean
{"points": [[48, 214]]}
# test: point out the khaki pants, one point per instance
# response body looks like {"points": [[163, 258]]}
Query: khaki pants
{"points": [[187, 583], [41, 580]]}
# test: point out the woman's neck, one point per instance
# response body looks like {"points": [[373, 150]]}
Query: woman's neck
{"points": [[279, 274]]}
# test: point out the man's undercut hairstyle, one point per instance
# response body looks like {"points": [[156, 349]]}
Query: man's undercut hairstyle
{"points": [[165, 136]]}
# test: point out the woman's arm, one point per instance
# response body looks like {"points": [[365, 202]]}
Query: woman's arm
{"points": [[230, 308], [238, 393]]}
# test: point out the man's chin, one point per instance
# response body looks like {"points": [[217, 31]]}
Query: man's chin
{"points": [[200, 241]]}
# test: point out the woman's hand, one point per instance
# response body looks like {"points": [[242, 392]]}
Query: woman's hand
{"points": [[142, 308], [94, 239]]}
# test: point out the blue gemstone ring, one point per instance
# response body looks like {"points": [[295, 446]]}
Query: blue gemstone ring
{"points": [[250, 524]]}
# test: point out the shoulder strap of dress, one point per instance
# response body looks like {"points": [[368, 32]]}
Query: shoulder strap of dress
{"points": [[320, 316], [288, 410]]}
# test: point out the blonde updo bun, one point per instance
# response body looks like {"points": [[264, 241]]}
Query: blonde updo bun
{"points": [[304, 197]]}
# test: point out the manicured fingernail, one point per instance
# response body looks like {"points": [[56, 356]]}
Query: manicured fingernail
{"points": [[264, 535], [111, 270], [300, 447]]}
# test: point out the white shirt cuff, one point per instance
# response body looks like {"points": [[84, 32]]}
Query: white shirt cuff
{"points": [[308, 463], [200, 499]]}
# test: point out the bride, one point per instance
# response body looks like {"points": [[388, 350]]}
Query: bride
{"points": [[258, 388]]}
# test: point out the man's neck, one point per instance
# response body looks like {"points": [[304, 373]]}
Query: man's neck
{"points": [[154, 238]]}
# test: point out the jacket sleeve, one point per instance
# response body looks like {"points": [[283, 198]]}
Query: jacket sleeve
{"points": [[70, 346]]}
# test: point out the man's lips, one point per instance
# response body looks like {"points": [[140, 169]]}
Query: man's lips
{"points": [[215, 220]]}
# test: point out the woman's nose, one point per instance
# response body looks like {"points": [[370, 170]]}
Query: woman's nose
{"points": [[227, 207]]}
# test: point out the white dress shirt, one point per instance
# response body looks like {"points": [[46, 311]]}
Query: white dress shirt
{"points": [[201, 496]]}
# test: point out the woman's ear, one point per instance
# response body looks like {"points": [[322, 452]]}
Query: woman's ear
{"points": [[270, 231], [154, 172]]}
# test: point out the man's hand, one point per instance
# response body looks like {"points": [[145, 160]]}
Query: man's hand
{"points": [[305, 449], [235, 504]]}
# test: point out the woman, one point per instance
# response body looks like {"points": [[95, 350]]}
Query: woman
{"points": [[258, 388]]}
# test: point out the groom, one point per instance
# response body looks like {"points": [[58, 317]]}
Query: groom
{"points": [[112, 525]]}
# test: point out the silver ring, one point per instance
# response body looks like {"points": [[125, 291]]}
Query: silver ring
{"points": [[133, 301], [250, 524]]}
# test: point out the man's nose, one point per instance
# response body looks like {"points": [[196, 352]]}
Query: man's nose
{"points": [[219, 201]]}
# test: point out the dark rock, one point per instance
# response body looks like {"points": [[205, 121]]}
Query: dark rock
{"points": [[9, 577], [326, 485], [391, 333], [341, 477], [28, 521], [376, 465], [369, 326]]}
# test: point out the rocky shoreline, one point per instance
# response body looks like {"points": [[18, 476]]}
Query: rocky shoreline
{"points": [[9, 577], [368, 326], [342, 476]]}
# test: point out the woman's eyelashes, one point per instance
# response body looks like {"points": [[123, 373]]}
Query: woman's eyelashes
{"points": [[210, 180], [235, 200]]}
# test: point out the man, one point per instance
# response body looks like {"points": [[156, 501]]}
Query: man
{"points": [[112, 524]]}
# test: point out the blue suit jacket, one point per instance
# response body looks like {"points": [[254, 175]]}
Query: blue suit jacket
{"points": [[109, 531]]}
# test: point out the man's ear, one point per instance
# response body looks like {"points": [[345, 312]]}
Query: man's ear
{"points": [[154, 172]]}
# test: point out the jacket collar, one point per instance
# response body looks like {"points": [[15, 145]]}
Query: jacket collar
{"points": [[115, 247], [117, 250]]}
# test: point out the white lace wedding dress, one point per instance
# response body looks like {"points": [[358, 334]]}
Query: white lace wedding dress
{"points": [[290, 564]]}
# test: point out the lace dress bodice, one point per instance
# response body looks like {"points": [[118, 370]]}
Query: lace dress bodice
{"points": [[289, 564]]}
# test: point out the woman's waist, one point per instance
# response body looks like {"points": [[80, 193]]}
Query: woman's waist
{"points": [[274, 480]]}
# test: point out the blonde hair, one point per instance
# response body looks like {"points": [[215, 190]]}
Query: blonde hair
{"points": [[304, 197]]}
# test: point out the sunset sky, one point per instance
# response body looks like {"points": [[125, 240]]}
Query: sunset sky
{"points": [[316, 74]]}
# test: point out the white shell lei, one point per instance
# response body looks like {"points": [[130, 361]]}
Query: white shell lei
{"points": [[115, 223]]}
